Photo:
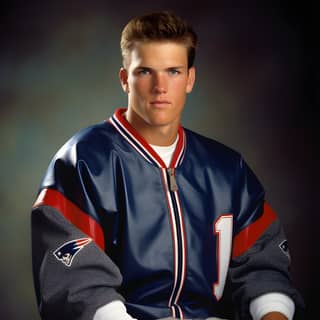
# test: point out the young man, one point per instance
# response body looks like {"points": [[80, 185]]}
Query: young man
{"points": [[140, 218]]}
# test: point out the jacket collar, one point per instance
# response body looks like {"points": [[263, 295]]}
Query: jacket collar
{"points": [[142, 146]]}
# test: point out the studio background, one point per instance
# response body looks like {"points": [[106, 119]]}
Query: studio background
{"points": [[257, 91]]}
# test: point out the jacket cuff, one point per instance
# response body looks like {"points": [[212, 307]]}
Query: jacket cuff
{"points": [[272, 302], [112, 310]]}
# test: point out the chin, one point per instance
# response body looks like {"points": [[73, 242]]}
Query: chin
{"points": [[160, 121]]}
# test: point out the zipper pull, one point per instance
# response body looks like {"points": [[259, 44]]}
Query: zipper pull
{"points": [[172, 180]]}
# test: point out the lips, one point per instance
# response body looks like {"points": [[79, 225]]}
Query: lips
{"points": [[160, 103]]}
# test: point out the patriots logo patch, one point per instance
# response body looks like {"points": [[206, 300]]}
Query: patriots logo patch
{"points": [[69, 250], [284, 246]]}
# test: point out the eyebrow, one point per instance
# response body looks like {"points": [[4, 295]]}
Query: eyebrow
{"points": [[151, 69], [177, 67]]}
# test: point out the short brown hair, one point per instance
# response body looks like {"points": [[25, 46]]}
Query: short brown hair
{"points": [[159, 26]]}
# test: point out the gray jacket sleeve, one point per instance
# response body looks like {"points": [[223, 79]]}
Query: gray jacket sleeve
{"points": [[260, 261], [263, 268], [72, 275]]}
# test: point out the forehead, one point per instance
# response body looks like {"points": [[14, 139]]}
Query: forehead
{"points": [[158, 54]]}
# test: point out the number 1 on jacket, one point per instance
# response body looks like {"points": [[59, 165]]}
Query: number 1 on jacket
{"points": [[223, 231]]}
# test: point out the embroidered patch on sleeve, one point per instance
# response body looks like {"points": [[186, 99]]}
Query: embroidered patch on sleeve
{"points": [[284, 246], [70, 249]]}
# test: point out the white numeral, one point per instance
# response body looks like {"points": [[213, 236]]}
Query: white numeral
{"points": [[223, 231]]}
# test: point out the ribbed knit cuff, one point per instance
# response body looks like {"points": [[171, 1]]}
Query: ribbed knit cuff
{"points": [[111, 311], [272, 302]]}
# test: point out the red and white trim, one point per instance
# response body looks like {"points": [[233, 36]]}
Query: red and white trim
{"points": [[142, 146], [179, 246], [249, 235], [80, 219]]}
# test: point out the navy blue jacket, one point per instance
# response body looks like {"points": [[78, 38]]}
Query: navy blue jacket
{"points": [[164, 239]]}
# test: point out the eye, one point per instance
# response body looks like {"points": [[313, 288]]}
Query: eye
{"points": [[174, 71], [143, 71]]}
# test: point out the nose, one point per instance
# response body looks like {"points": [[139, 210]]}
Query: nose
{"points": [[160, 84]]}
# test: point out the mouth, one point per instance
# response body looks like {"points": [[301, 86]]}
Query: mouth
{"points": [[160, 103]]}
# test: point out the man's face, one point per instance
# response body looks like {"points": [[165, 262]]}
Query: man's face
{"points": [[157, 80]]}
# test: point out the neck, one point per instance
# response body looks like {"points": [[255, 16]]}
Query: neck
{"points": [[159, 135]]}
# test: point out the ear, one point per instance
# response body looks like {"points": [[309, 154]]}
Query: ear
{"points": [[123, 76], [191, 79]]}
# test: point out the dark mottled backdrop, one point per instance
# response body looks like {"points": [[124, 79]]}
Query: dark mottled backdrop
{"points": [[257, 91]]}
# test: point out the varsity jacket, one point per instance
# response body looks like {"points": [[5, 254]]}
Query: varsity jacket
{"points": [[112, 222]]}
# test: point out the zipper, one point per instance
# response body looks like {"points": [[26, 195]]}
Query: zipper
{"points": [[179, 241], [172, 180]]}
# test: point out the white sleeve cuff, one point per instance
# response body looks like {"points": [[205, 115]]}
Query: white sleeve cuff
{"points": [[111, 311], [272, 302]]}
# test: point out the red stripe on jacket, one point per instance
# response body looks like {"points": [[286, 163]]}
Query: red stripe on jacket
{"points": [[249, 235], [72, 213]]}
